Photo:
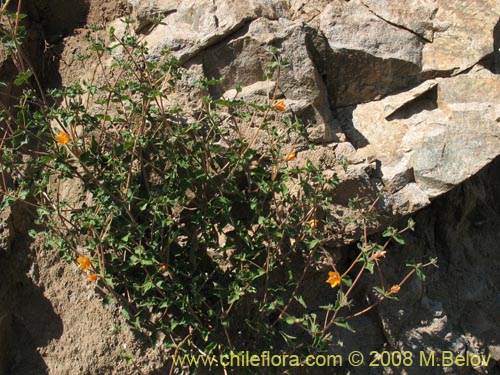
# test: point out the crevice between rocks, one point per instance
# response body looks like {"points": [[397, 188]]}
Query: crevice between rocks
{"points": [[496, 48], [216, 39], [397, 25]]}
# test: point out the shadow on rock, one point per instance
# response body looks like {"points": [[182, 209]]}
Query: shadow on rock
{"points": [[30, 321]]}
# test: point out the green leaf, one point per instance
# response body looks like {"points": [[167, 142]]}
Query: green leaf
{"points": [[392, 297], [399, 240], [273, 64], [344, 324], [346, 280], [290, 320], [369, 267], [47, 159], [420, 274], [300, 300], [389, 232], [23, 194], [23, 77], [126, 314], [147, 286], [411, 224], [7, 202], [233, 298], [328, 307], [109, 281], [312, 244], [147, 262]]}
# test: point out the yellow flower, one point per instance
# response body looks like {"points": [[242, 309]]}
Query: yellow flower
{"points": [[84, 262], [62, 138], [92, 277], [395, 289], [280, 105], [334, 279], [290, 156], [313, 223]]}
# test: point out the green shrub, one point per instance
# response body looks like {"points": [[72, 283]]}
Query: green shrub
{"points": [[201, 238]]}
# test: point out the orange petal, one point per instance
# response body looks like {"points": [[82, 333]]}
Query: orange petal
{"points": [[334, 279], [62, 138], [314, 223], [395, 289], [84, 262], [280, 105], [380, 254]]}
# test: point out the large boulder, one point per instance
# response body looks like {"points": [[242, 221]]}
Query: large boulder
{"points": [[369, 57], [414, 15], [373, 78], [192, 26], [380, 47], [239, 60], [432, 138], [463, 35]]}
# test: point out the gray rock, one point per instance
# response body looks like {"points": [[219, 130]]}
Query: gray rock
{"points": [[393, 103], [196, 25], [463, 35], [414, 15], [305, 10], [244, 58], [356, 52], [469, 141], [369, 57], [144, 11], [354, 182], [409, 199], [437, 139], [346, 151], [395, 177], [456, 308], [251, 92]]}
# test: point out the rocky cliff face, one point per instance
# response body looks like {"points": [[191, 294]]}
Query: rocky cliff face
{"points": [[408, 94], [414, 87]]}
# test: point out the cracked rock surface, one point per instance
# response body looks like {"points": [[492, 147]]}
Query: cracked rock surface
{"points": [[412, 86]]}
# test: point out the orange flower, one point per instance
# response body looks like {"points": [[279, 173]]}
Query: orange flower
{"points": [[280, 105], [62, 138], [313, 223], [334, 279], [380, 254], [163, 268], [84, 262], [92, 277], [395, 289], [290, 156]]}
